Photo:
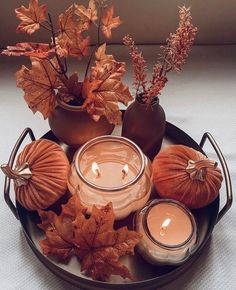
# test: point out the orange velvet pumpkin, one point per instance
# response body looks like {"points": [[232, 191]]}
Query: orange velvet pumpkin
{"points": [[40, 176], [186, 175]]}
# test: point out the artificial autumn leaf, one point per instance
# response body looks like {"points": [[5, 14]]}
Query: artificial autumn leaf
{"points": [[73, 45], [104, 98], [39, 85], [100, 246], [70, 88], [93, 239], [40, 50], [101, 55], [109, 22], [68, 24], [87, 92], [79, 46], [31, 17], [59, 229], [87, 15]]}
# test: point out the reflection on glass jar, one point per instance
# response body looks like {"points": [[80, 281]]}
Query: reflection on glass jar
{"points": [[111, 169], [169, 232]]}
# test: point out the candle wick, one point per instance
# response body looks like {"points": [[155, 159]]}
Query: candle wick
{"points": [[162, 231], [164, 226], [98, 174], [124, 174], [96, 170], [125, 171]]}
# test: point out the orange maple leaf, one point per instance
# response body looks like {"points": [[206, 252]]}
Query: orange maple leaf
{"points": [[68, 24], [40, 50], [73, 44], [100, 246], [70, 88], [87, 15], [93, 239], [31, 17], [39, 85], [101, 55], [104, 98], [109, 22], [59, 229]]}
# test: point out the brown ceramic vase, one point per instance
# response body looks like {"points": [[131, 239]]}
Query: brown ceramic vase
{"points": [[145, 125], [74, 126]]}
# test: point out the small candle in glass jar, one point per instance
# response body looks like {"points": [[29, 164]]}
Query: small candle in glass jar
{"points": [[169, 232], [111, 169]]}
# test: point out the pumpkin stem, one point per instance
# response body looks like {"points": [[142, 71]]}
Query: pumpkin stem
{"points": [[198, 169], [21, 174]]}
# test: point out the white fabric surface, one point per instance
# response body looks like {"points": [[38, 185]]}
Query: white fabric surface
{"points": [[201, 98]]}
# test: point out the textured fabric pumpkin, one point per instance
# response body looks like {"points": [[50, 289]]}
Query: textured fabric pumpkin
{"points": [[40, 176], [186, 175]]}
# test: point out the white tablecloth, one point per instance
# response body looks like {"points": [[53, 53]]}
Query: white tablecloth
{"points": [[201, 98]]}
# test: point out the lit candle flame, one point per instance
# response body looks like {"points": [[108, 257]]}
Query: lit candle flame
{"points": [[95, 169], [125, 171], [164, 226]]}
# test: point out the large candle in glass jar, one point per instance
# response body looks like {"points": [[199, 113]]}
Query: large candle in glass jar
{"points": [[169, 232], [111, 169]]}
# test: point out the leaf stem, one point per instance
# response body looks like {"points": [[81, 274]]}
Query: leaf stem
{"points": [[98, 37], [99, 24], [89, 61], [62, 68], [45, 27], [53, 66]]}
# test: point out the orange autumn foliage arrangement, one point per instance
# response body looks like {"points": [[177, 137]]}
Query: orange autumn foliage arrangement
{"points": [[99, 90], [93, 240], [173, 57]]}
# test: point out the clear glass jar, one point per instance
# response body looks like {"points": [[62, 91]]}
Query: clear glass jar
{"points": [[111, 169], [169, 232]]}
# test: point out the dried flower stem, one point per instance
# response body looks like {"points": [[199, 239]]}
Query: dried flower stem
{"points": [[175, 54], [139, 65]]}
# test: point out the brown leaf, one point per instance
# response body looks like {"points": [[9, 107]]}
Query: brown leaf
{"points": [[100, 246], [68, 24], [57, 242], [40, 50], [109, 22], [103, 98], [101, 55], [31, 17], [70, 88], [59, 229], [73, 45], [87, 15], [93, 239], [39, 85]]}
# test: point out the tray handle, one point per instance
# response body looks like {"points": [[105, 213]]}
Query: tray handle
{"points": [[229, 194], [10, 163]]}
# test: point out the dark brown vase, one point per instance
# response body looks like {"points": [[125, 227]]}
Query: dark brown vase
{"points": [[145, 125], [74, 126]]}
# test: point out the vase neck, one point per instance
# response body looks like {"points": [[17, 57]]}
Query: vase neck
{"points": [[154, 102]]}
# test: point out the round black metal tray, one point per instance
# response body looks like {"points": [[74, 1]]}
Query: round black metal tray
{"points": [[147, 276]]}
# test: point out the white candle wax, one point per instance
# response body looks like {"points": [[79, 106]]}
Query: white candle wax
{"points": [[178, 229]]}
